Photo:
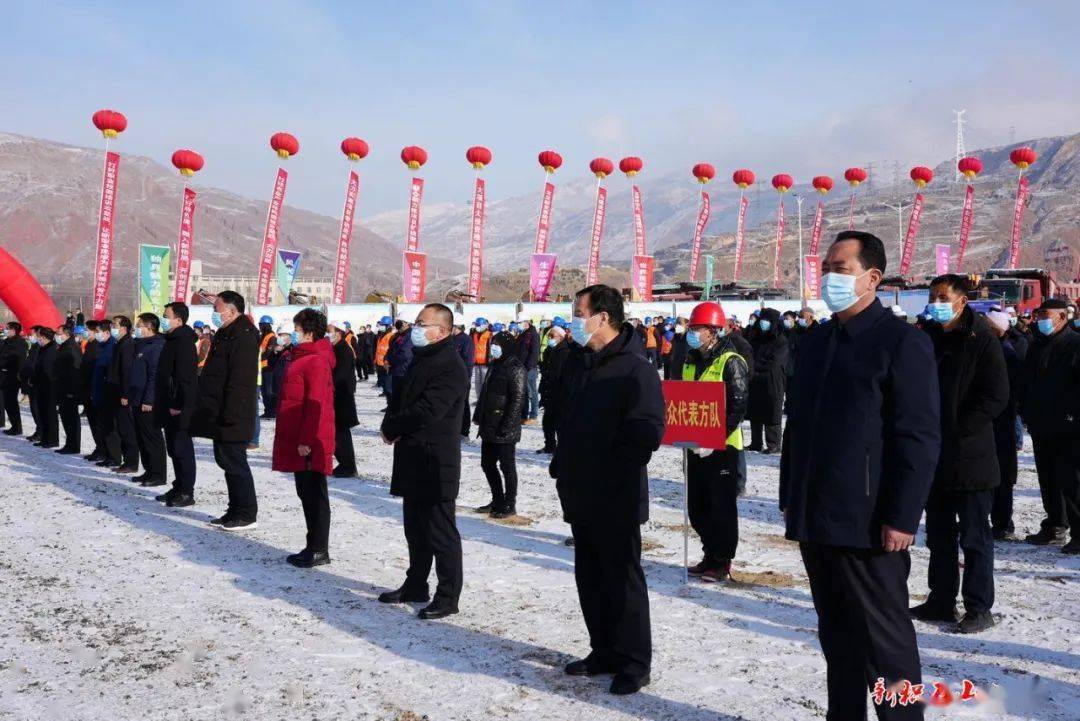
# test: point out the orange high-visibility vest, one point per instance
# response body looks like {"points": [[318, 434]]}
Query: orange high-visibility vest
{"points": [[381, 349], [665, 345], [262, 347], [650, 337], [481, 341], [350, 340]]}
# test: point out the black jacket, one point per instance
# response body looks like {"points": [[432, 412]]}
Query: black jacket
{"points": [[466, 349], [45, 387], [119, 374], [502, 401], [770, 371], [744, 349], [677, 357], [27, 368], [226, 406], [528, 348], [551, 369], [344, 386], [68, 372], [612, 421], [1020, 342], [736, 379], [1050, 394], [177, 379], [863, 432], [425, 421], [1005, 423], [141, 384], [13, 352], [90, 354], [974, 389]]}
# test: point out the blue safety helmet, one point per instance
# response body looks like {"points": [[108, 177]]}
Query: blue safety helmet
{"points": [[80, 330], [559, 322], [498, 327], [266, 319], [386, 320], [480, 321], [198, 324]]}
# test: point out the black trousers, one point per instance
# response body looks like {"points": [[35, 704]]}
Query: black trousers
{"points": [[712, 486], [343, 450], [466, 412], [34, 399], [267, 392], [432, 534], [151, 444], [232, 459], [361, 369], [1001, 512], [1057, 461], [549, 423], [861, 599], [129, 441], [380, 378], [771, 433], [613, 595], [48, 419], [182, 452], [311, 488], [653, 357], [110, 439], [69, 417], [11, 406], [91, 414], [956, 520], [496, 456]]}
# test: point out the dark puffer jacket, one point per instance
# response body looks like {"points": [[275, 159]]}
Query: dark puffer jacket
{"points": [[769, 379], [502, 401]]}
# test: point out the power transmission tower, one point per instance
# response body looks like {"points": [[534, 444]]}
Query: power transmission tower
{"points": [[896, 177], [870, 176], [960, 151]]}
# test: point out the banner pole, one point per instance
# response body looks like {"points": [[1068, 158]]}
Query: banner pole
{"points": [[686, 517]]}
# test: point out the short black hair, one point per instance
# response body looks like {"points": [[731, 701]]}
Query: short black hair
{"points": [[91, 325], [960, 283], [180, 310], [605, 299], [68, 328], [46, 333], [15, 326], [151, 320], [123, 321], [311, 321], [871, 249], [446, 316], [232, 298], [399, 324]]}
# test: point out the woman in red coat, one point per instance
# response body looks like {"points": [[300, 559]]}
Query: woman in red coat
{"points": [[304, 439]]}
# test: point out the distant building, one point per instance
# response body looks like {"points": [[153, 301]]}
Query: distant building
{"points": [[304, 290]]}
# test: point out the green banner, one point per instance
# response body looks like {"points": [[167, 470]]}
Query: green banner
{"points": [[708, 277], [288, 265], [154, 263]]}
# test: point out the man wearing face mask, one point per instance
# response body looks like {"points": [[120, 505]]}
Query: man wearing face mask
{"points": [[713, 477], [68, 375], [344, 382], [142, 397], [12, 354], [45, 388], [105, 399], [860, 450], [399, 356], [1050, 405], [424, 426], [679, 348], [175, 390], [768, 383], [226, 406], [550, 382], [26, 381], [118, 379], [613, 421]]}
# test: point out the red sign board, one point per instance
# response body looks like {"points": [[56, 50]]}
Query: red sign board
{"points": [[694, 413]]}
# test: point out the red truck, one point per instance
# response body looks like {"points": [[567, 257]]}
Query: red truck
{"points": [[1024, 289]]}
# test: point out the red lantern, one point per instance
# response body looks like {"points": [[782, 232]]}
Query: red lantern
{"points": [[782, 182], [970, 167], [601, 167], [188, 162], [631, 166], [550, 161], [743, 178], [823, 184], [285, 145], [703, 172], [921, 175], [478, 156], [1023, 158], [354, 149], [413, 156], [854, 176], [110, 122]]}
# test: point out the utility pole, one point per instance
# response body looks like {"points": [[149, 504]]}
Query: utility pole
{"points": [[802, 288], [960, 151], [899, 208], [870, 176]]}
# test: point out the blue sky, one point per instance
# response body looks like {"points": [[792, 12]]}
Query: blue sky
{"points": [[805, 88]]}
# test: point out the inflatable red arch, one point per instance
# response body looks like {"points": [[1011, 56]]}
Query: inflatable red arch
{"points": [[21, 292]]}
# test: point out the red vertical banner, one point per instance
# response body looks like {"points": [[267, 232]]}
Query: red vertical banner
{"points": [[779, 244], [412, 236], [476, 241], [183, 248], [965, 226], [639, 221], [642, 276], [908, 252], [812, 275], [815, 234], [699, 231], [593, 276], [740, 236], [414, 271], [1018, 220], [341, 268], [268, 257], [543, 226], [105, 235]]}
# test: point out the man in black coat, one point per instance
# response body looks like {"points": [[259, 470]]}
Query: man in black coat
{"points": [[528, 350], [226, 406], [860, 450], [1001, 513], [423, 423], [68, 373], [550, 384], [175, 394], [26, 381], [46, 389], [91, 349], [466, 349], [613, 420], [140, 395], [768, 382], [1050, 405], [974, 389], [13, 352], [118, 379], [499, 411], [344, 377]]}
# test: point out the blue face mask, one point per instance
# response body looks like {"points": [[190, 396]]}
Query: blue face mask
{"points": [[803, 322], [138, 332], [165, 325], [419, 336], [1076, 323], [215, 319], [1012, 322], [577, 331], [838, 291], [496, 352], [764, 325], [552, 342], [1046, 326], [942, 312], [296, 339], [789, 323], [693, 339], [115, 333]]}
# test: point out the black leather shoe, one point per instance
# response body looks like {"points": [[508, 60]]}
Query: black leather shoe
{"points": [[220, 521], [437, 610], [308, 559], [93, 457], [1046, 536], [67, 451], [127, 470], [975, 622], [34, 437], [504, 512], [1072, 547], [340, 472], [13, 432], [107, 463], [624, 684], [152, 482], [166, 496], [486, 508], [404, 595], [932, 612], [180, 500], [591, 665]]}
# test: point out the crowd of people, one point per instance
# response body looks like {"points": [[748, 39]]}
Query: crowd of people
{"points": [[885, 420]]}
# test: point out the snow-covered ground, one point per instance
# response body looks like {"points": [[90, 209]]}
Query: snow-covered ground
{"points": [[115, 607]]}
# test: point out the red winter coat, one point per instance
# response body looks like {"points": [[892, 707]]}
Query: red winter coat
{"points": [[305, 414]]}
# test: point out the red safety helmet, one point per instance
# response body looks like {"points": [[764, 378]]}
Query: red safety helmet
{"points": [[708, 313]]}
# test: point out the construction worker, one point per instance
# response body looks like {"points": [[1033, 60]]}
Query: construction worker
{"points": [[481, 337], [382, 345]]}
